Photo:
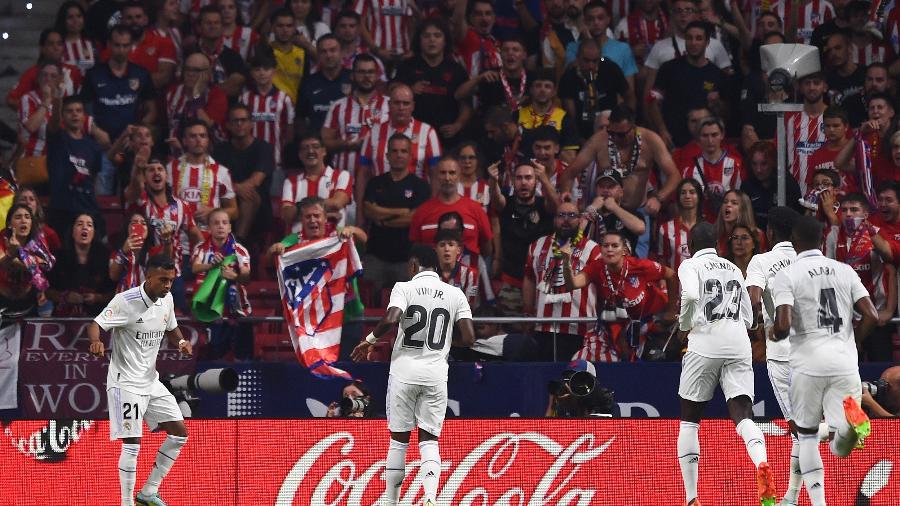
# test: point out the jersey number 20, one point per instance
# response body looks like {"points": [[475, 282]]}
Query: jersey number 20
{"points": [[435, 340]]}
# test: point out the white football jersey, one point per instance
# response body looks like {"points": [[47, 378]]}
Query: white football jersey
{"points": [[138, 326], [821, 293], [430, 310], [761, 273], [715, 306]]}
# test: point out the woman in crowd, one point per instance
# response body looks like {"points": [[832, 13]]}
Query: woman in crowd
{"points": [[742, 245], [672, 241], [309, 28], [628, 296], [78, 50], [79, 283], [242, 39], [27, 195], [25, 261], [168, 20], [736, 210], [127, 265]]}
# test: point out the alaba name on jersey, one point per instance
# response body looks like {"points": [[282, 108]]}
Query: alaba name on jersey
{"points": [[761, 273], [715, 306], [430, 309], [821, 293], [137, 325]]}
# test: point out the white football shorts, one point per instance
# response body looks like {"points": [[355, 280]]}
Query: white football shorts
{"points": [[410, 405], [815, 396], [127, 410], [700, 375], [780, 378]]}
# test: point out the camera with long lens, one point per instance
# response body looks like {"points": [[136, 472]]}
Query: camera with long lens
{"points": [[877, 389], [579, 383], [211, 381], [354, 405]]}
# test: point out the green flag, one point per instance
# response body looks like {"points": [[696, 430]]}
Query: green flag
{"points": [[208, 304]]}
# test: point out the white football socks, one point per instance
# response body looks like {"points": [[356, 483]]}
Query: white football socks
{"points": [[753, 440], [394, 471], [431, 468], [165, 458], [844, 441], [813, 468], [128, 472], [795, 480], [689, 457]]}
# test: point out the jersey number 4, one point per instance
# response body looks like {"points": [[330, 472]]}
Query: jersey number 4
{"points": [[829, 317], [414, 337], [714, 310]]}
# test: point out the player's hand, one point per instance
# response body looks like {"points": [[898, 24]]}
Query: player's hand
{"points": [[184, 346], [361, 352], [97, 348]]}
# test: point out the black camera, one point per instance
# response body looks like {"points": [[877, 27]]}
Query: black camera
{"points": [[877, 389], [580, 383], [351, 405]]}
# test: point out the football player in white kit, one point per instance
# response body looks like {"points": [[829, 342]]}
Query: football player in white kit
{"points": [[426, 309], [814, 300], [760, 273], [716, 312], [139, 319]]}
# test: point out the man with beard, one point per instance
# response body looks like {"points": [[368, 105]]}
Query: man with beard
{"points": [[150, 50], [507, 86], [633, 152], [328, 84], [228, 69], [477, 48], [119, 93], [877, 80], [524, 217], [845, 78], [347, 29], [315, 180], [544, 292], [593, 84], [805, 129], [559, 31]]}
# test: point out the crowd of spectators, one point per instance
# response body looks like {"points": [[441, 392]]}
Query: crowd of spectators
{"points": [[504, 133]]}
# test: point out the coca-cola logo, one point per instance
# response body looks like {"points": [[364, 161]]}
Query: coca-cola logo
{"points": [[45, 441], [344, 484]]}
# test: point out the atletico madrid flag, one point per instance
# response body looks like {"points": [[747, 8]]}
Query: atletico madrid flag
{"points": [[313, 279]]}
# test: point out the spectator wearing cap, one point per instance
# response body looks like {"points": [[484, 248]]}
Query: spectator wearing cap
{"points": [[605, 212]]}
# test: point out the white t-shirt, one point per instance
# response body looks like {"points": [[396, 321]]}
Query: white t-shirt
{"points": [[822, 293], [430, 309], [761, 273], [715, 306], [663, 51], [138, 326]]}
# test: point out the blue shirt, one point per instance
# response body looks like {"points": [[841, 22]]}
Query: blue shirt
{"points": [[116, 102], [317, 93], [72, 164], [615, 50]]}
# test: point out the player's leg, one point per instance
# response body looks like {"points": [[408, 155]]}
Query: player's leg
{"points": [[843, 414], [430, 411], [400, 410], [780, 378], [736, 381], [807, 393], [163, 412], [125, 423], [699, 376]]}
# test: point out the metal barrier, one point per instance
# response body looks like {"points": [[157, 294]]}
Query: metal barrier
{"points": [[375, 319]]}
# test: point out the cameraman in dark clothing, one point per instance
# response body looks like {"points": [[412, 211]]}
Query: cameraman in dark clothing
{"points": [[881, 398], [356, 402], [578, 395]]}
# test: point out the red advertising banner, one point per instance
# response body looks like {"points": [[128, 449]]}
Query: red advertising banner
{"points": [[326, 462], [59, 378]]}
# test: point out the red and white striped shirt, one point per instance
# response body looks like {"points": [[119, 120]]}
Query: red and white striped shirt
{"points": [[177, 214], [479, 191], [272, 115], [553, 301], [205, 253], [876, 51], [352, 120], [242, 41], [718, 177], [672, 244], [619, 10], [297, 187], [464, 277], [207, 184], [892, 30], [133, 274], [79, 53], [181, 107], [757, 7], [173, 34], [812, 14], [859, 253], [478, 54], [636, 30], [805, 134], [387, 22], [425, 149], [35, 143]]}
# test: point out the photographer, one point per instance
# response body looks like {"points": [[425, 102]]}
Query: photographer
{"points": [[881, 398], [578, 395], [356, 402]]}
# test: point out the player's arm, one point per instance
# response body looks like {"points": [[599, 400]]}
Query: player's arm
{"points": [[466, 335], [782, 321], [176, 339], [96, 347], [671, 279], [755, 281], [387, 322], [866, 308]]}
